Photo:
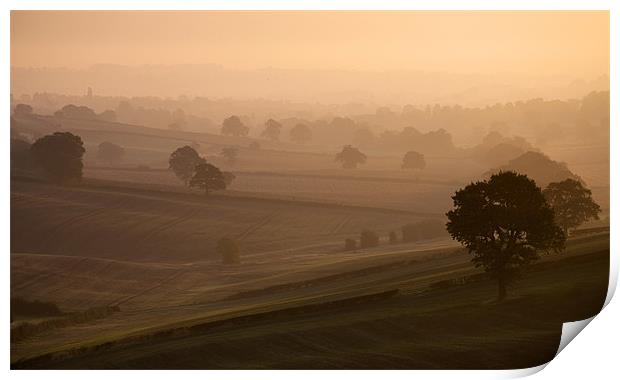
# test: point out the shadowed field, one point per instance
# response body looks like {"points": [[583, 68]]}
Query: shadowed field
{"points": [[442, 316]]}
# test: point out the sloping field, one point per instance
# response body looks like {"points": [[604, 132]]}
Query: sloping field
{"points": [[131, 224], [402, 193], [352, 320]]}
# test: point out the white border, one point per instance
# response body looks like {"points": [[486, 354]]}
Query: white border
{"points": [[596, 345]]}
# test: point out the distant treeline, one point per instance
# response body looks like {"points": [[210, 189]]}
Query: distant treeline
{"points": [[431, 126]]}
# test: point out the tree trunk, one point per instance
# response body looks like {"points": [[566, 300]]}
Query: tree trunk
{"points": [[501, 288]]}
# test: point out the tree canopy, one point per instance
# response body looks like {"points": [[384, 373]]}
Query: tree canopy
{"points": [[572, 203], [183, 162], [350, 157], [413, 160], [504, 223], [272, 130], [233, 126], [60, 156], [208, 178]]}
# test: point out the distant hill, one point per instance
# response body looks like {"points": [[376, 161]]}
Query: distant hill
{"points": [[539, 167]]}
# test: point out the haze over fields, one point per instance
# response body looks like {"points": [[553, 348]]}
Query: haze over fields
{"points": [[291, 189]]}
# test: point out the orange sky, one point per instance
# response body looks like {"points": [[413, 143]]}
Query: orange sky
{"points": [[542, 43]]}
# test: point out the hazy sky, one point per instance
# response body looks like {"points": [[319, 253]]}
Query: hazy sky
{"points": [[541, 43]]}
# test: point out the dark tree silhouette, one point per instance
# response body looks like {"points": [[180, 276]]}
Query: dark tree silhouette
{"points": [[208, 178], [272, 130], [60, 156], [233, 126], [110, 152], [369, 238], [230, 153], [229, 250], [350, 157], [504, 223], [572, 203], [22, 110], [183, 162], [413, 160], [301, 133]]}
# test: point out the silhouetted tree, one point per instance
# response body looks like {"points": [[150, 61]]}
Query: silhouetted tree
{"points": [[60, 156], [233, 126], [413, 160], [229, 250], [350, 157], [230, 153], [208, 178], [272, 130], [183, 162], [301, 133], [22, 110], [350, 244], [369, 238], [110, 152], [572, 203], [504, 223], [71, 111]]}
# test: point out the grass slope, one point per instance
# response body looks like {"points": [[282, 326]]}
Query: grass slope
{"points": [[455, 327]]}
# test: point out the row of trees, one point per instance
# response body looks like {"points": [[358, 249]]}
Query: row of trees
{"points": [[233, 126], [60, 155]]}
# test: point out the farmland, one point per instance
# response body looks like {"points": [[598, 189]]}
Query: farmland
{"points": [[411, 329], [129, 256]]}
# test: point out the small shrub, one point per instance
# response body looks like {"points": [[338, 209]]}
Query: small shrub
{"points": [[369, 238], [350, 244], [229, 249]]}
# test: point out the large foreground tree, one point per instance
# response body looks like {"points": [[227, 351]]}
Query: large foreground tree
{"points": [[60, 156], [572, 203], [504, 222]]}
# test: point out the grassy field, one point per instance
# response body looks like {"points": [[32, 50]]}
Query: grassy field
{"points": [[320, 323]]}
